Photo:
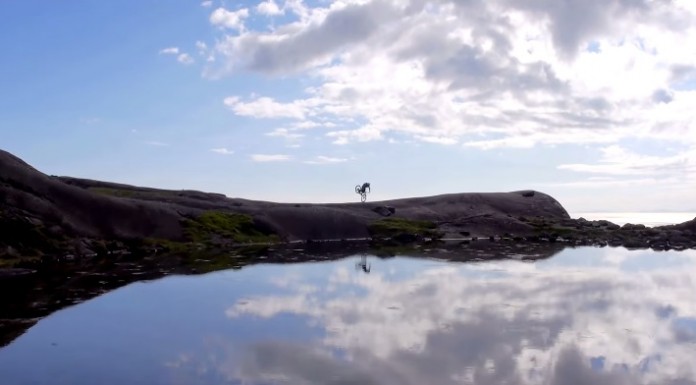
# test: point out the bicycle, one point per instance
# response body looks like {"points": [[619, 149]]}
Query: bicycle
{"points": [[362, 190]]}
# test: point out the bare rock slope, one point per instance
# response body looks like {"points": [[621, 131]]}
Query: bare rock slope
{"points": [[72, 208]]}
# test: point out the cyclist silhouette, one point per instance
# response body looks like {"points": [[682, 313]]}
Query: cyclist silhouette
{"points": [[363, 190]]}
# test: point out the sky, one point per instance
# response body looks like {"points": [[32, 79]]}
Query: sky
{"points": [[590, 101]]}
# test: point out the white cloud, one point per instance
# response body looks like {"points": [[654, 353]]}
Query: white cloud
{"points": [[509, 142], [202, 47], [285, 133], [181, 57], [326, 160], [488, 74], [269, 7], [617, 160], [363, 134], [229, 19], [185, 58], [222, 151], [590, 183], [265, 107], [437, 139], [170, 51], [270, 158], [632, 181], [207, 4]]}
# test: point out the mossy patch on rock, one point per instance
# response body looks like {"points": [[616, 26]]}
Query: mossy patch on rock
{"points": [[236, 258], [212, 226], [138, 193], [403, 230], [10, 262]]}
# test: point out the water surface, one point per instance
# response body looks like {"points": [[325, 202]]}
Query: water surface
{"points": [[584, 316]]}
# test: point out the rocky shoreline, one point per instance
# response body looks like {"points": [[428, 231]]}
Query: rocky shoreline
{"points": [[46, 217], [30, 293], [583, 232], [65, 240]]}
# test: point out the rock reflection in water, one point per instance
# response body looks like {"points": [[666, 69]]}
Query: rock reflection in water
{"points": [[438, 316]]}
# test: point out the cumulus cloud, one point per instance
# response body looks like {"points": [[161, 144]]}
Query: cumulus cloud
{"points": [[484, 74], [202, 47], [170, 51], [181, 57], [270, 158], [265, 107], [185, 58], [269, 7], [221, 17], [222, 151], [206, 4]]}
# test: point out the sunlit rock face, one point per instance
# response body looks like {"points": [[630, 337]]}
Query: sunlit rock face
{"points": [[612, 317]]}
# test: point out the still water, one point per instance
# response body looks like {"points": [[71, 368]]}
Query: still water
{"points": [[584, 316]]}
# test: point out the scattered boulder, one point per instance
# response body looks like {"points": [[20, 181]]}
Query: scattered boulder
{"points": [[384, 211], [635, 243], [10, 252]]}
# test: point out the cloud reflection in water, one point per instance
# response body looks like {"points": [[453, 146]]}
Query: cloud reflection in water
{"points": [[587, 316]]}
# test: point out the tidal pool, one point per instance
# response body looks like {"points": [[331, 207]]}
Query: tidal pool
{"points": [[584, 316]]}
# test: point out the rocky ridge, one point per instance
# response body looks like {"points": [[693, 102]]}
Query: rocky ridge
{"points": [[44, 216]]}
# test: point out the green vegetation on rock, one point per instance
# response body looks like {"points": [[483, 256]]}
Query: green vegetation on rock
{"points": [[132, 193], [213, 226], [165, 246], [236, 258], [547, 228], [403, 229]]}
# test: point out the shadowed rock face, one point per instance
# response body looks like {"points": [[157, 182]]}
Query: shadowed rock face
{"points": [[78, 208], [686, 226], [48, 201]]}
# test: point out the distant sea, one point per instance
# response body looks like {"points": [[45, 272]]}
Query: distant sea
{"points": [[648, 219]]}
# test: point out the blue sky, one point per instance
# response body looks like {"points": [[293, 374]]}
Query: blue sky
{"points": [[591, 102]]}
